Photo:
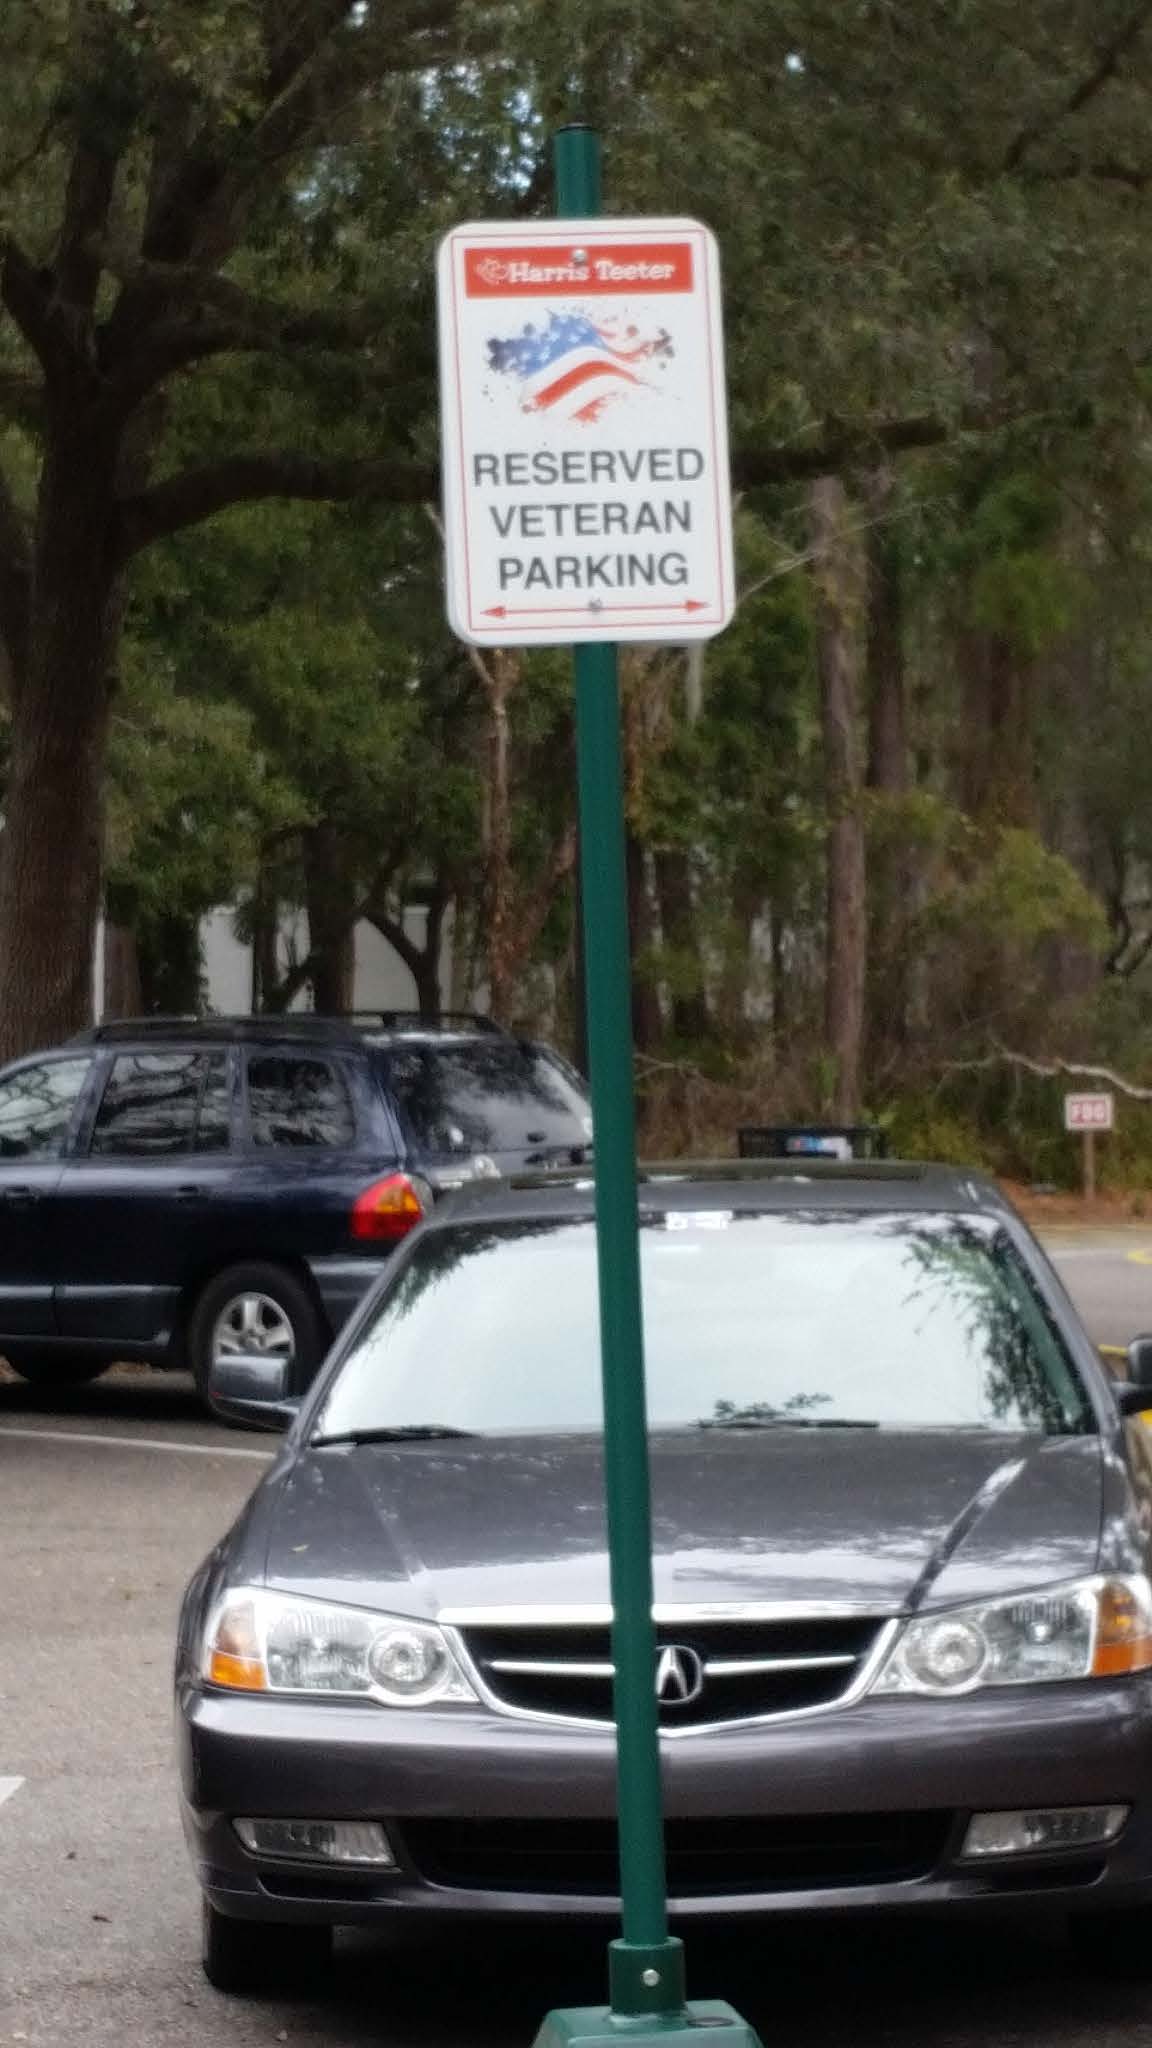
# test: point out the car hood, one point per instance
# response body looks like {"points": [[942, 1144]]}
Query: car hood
{"points": [[878, 1520]]}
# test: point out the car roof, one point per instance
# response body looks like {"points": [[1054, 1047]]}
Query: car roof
{"points": [[772, 1186]]}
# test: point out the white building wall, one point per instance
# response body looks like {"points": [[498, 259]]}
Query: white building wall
{"points": [[382, 981]]}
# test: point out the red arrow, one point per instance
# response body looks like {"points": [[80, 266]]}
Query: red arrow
{"points": [[548, 611]]}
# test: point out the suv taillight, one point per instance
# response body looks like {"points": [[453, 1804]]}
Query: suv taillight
{"points": [[387, 1210]]}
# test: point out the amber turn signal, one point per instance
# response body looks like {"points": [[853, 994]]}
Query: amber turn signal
{"points": [[1123, 1632]]}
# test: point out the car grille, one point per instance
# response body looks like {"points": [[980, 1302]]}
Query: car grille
{"points": [[737, 1670], [706, 1858]]}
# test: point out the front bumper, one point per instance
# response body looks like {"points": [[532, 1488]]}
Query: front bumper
{"points": [[921, 1760]]}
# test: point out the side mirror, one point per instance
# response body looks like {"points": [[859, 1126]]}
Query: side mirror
{"points": [[252, 1391], [1140, 1362], [1134, 1392]]}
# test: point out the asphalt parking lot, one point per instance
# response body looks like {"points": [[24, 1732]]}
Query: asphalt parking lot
{"points": [[108, 1497]]}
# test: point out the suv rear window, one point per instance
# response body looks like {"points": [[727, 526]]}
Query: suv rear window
{"points": [[497, 1095], [298, 1102]]}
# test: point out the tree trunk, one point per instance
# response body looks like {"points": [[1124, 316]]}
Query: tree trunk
{"points": [[647, 1023], [330, 900], [264, 921], [53, 843], [891, 881], [691, 1018], [122, 997], [171, 967], [781, 989], [747, 902], [887, 683], [836, 576], [996, 780], [426, 969]]}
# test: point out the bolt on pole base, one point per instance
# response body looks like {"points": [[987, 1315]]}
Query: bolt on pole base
{"points": [[596, 2026], [646, 1978]]}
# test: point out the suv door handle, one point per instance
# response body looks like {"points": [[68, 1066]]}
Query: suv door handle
{"points": [[21, 1197], [190, 1192]]}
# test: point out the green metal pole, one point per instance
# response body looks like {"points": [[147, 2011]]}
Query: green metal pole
{"points": [[647, 1967]]}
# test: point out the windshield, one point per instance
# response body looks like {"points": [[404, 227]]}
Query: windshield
{"points": [[488, 1095], [897, 1322]]}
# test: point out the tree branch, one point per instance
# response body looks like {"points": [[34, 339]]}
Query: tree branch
{"points": [[394, 934], [27, 293], [198, 494], [1050, 1070], [340, 65], [21, 399], [1125, 968], [87, 202], [1105, 68], [253, 321], [842, 445], [14, 171], [1106, 170], [220, 318]]}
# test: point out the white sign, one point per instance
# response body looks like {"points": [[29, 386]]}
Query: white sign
{"points": [[585, 438], [1089, 1112]]}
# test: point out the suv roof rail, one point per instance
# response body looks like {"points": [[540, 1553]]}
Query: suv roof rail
{"points": [[411, 1020], [299, 1024], [345, 1028]]}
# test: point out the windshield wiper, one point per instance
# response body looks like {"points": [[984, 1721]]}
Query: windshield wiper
{"points": [[406, 1433], [753, 1421]]}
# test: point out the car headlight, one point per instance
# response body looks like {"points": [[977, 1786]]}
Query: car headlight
{"points": [[259, 1641], [1093, 1628]]}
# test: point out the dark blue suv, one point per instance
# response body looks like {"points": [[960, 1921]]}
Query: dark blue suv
{"points": [[180, 1192]]}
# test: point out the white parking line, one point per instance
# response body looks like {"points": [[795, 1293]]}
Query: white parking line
{"points": [[8, 1786], [132, 1443]]}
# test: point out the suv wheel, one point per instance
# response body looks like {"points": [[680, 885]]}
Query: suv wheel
{"points": [[69, 1369], [256, 1955], [259, 1311]]}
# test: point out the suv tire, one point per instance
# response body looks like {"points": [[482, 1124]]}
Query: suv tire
{"points": [[271, 1303], [261, 1955], [65, 1369]]}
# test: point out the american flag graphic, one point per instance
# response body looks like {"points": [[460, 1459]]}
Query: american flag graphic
{"points": [[574, 366]]}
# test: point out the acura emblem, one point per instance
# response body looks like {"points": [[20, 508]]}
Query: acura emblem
{"points": [[679, 1675]]}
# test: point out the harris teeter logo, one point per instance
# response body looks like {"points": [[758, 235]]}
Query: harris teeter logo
{"points": [[573, 367]]}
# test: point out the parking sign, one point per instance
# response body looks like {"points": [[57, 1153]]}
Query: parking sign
{"points": [[585, 443]]}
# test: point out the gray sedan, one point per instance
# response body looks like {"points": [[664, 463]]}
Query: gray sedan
{"points": [[901, 1528]]}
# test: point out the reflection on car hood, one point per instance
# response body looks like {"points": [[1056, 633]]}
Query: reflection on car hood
{"points": [[879, 1520]]}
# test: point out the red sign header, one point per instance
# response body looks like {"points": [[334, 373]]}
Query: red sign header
{"points": [[516, 271]]}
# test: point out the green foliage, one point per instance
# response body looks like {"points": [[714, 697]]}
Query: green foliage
{"points": [[929, 222], [1011, 890]]}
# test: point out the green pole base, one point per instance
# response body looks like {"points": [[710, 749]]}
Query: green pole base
{"points": [[646, 1978], [597, 2026]]}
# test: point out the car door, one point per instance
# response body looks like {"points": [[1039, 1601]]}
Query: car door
{"points": [[40, 1104], [144, 1209], [305, 1133]]}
